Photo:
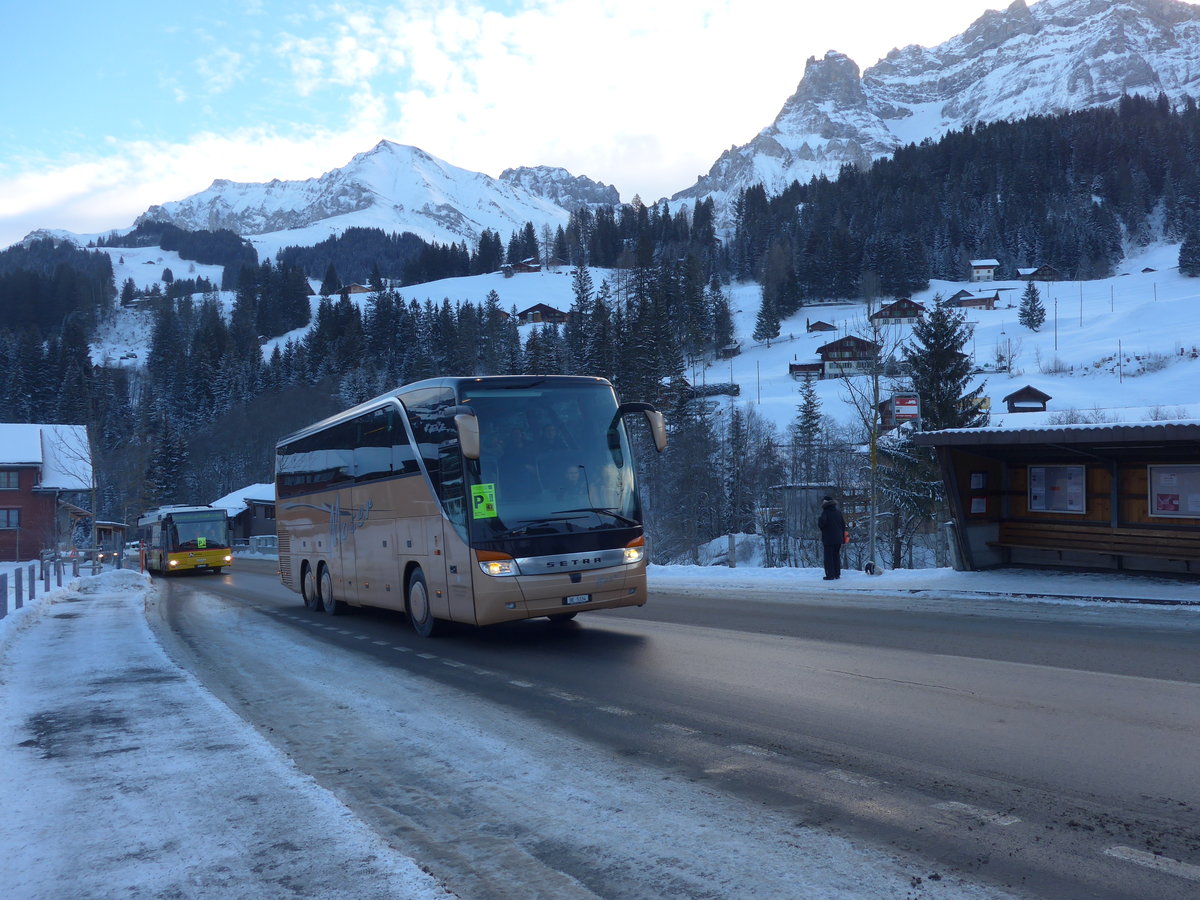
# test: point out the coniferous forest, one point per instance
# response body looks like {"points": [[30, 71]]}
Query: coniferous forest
{"points": [[201, 417]]}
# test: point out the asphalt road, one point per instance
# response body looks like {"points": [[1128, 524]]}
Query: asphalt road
{"points": [[1048, 751]]}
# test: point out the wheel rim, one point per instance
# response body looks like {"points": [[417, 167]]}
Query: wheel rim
{"points": [[308, 589], [418, 603], [327, 601]]}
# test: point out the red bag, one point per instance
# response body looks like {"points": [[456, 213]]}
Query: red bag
{"points": [[845, 537]]}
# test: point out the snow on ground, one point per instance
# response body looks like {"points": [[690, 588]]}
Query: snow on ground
{"points": [[121, 775]]}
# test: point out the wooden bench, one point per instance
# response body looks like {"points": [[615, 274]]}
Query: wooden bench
{"points": [[1157, 543]]}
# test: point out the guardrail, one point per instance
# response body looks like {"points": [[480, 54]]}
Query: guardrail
{"points": [[25, 578]]}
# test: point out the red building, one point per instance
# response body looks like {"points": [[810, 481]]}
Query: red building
{"points": [[44, 469]]}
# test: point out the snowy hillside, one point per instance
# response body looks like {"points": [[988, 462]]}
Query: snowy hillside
{"points": [[1153, 317]]}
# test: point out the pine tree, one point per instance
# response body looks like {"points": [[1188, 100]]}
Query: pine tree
{"points": [[806, 435], [941, 371], [1032, 313], [766, 325], [1189, 255]]}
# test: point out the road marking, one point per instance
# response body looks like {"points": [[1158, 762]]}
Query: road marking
{"points": [[403, 649], [675, 729], [563, 695], [753, 750], [454, 662], [362, 637], [521, 684], [1154, 861], [427, 655], [983, 815], [615, 710], [851, 778], [380, 643]]}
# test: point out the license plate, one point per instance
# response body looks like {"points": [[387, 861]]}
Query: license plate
{"points": [[578, 598], [201, 565]]}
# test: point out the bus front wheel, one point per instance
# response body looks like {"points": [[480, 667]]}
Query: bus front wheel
{"points": [[308, 589], [330, 603], [419, 612]]}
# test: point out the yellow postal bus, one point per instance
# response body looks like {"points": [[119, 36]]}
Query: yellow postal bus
{"points": [[475, 500], [185, 538]]}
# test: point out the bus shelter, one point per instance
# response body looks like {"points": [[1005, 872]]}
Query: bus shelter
{"points": [[1111, 496]]}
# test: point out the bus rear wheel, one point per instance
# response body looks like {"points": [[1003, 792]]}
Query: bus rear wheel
{"points": [[420, 614], [330, 603], [308, 589]]}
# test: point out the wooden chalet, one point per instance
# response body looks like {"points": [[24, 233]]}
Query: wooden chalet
{"points": [[899, 312], [969, 300], [811, 327], [1040, 273], [806, 369], [540, 313], [848, 355]]}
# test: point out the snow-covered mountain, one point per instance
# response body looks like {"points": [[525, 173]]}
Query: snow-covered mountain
{"points": [[561, 187], [1054, 56], [393, 187]]}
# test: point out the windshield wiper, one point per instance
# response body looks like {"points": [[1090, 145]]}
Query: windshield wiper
{"points": [[524, 527], [624, 520]]}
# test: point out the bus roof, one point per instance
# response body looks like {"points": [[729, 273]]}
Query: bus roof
{"points": [[453, 382], [158, 513]]}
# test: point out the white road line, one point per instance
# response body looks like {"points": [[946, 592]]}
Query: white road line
{"points": [[520, 684], [427, 655], [403, 649], [380, 643], [851, 778], [983, 815], [615, 710], [362, 637], [454, 662], [563, 695], [1153, 861], [753, 750], [675, 729]]}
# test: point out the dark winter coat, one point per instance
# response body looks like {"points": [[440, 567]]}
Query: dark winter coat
{"points": [[831, 523]]}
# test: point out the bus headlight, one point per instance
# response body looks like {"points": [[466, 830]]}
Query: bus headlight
{"points": [[228, 558], [635, 550], [496, 564], [173, 563]]}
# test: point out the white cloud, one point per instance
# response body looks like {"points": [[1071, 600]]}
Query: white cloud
{"points": [[643, 96]]}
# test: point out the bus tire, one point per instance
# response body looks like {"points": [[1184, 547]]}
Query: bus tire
{"points": [[420, 614], [308, 589], [329, 603]]}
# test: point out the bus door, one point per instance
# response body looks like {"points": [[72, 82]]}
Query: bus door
{"points": [[461, 595]]}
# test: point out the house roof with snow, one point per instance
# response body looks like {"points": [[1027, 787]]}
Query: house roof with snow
{"points": [[62, 453], [237, 501]]}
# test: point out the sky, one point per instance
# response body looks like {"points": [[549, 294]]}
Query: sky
{"points": [[113, 107]]}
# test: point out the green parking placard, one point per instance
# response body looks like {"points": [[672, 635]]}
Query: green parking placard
{"points": [[483, 501]]}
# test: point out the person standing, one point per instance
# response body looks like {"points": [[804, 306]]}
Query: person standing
{"points": [[833, 533]]}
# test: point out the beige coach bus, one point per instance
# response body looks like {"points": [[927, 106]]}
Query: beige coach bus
{"points": [[475, 500]]}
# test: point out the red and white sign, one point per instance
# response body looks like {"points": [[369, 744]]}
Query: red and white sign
{"points": [[906, 406]]}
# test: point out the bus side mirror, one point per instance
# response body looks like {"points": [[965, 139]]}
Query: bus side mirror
{"points": [[658, 425], [468, 434], [658, 429]]}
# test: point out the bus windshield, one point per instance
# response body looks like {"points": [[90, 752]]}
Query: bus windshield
{"points": [[554, 459], [201, 533]]}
